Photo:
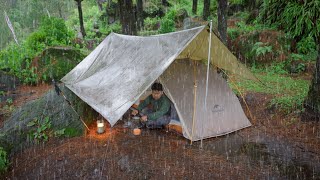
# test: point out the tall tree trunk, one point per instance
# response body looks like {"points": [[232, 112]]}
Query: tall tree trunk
{"points": [[194, 6], [83, 32], [127, 17], [140, 14], [312, 102], [206, 9], [222, 20]]}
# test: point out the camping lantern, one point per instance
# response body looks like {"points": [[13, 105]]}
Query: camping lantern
{"points": [[100, 126]]}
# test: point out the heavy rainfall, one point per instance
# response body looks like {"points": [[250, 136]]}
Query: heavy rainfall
{"points": [[233, 87]]}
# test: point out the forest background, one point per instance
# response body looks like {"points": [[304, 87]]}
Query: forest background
{"points": [[278, 40]]}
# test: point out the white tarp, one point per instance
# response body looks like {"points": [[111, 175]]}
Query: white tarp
{"points": [[122, 67], [114, 75]]}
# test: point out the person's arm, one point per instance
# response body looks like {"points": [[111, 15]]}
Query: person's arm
{"points": [[165, 107], [144, 103]]}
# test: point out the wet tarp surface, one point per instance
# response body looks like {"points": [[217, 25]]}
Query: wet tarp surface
{"points": [[122, 67]]}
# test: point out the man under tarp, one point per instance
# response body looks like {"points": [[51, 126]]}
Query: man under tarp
{"points": [[156, 109]]}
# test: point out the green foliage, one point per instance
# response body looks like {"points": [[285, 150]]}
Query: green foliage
{"points": [[17, 59], [233, 33], [59, 133], [166, 26], [107, 29], [11, 58], [72, 132], [41, 129], [151, 23], [4, 162], [28, 76], [152, 6], [8, 107], [306, 45], [307, 49], [52, 31], [299, 19], [167, 23], [289, 93], [244, 28], [260, 48]]}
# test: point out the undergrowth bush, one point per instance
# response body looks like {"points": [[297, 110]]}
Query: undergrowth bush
{"points": [[4, 162], [17, 59], [167, 23]]}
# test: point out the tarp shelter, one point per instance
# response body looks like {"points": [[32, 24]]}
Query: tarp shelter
{"points": [[115, 74]]}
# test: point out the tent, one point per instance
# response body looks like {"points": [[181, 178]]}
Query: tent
{"points": [[115, 74]]}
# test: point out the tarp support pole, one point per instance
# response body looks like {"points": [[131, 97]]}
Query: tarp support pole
{"points": [[207, 81], [195, 84]]}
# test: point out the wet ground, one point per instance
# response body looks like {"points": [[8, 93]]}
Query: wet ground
{"points": [[277, 146], [157, 154]]}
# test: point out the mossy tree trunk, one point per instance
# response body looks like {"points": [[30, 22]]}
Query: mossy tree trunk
{"points": [[312, 102]]}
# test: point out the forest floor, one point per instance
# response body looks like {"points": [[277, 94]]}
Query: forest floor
{"points": [[276, 146]]}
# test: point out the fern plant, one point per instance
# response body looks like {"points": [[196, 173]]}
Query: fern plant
{"points": [[259, 48], [4, 162]]}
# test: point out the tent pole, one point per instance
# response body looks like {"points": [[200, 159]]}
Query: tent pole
{"points": [[194, 98], [207, 81]]}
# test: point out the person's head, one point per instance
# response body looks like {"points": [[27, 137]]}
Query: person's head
{"points": [[157, 90]]}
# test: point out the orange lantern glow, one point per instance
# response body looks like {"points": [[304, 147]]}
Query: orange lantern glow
{"points": [[100, 126]]}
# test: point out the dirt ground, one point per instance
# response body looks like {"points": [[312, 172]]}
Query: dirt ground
{"points": [[158, 154]]}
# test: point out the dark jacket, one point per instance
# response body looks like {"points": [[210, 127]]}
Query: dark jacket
{"points": [[159, 107]]}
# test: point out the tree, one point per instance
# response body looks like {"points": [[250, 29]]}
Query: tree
{"points": [[222, 20], [127, 17], [83, 32], [206, 9], [194, 6], [299, 19], [140, 14], [312, 102]]}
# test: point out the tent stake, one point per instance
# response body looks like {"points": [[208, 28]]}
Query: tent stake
{"points": [[207, 81]]}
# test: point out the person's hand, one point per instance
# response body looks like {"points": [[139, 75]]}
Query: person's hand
{"points": [[144, 118], [134, 112]]}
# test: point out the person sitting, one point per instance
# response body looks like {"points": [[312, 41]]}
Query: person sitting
{"points": [[155, 109]]}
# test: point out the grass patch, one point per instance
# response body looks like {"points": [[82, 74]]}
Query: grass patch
{"points": [[288, 93], [72, 132]]}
